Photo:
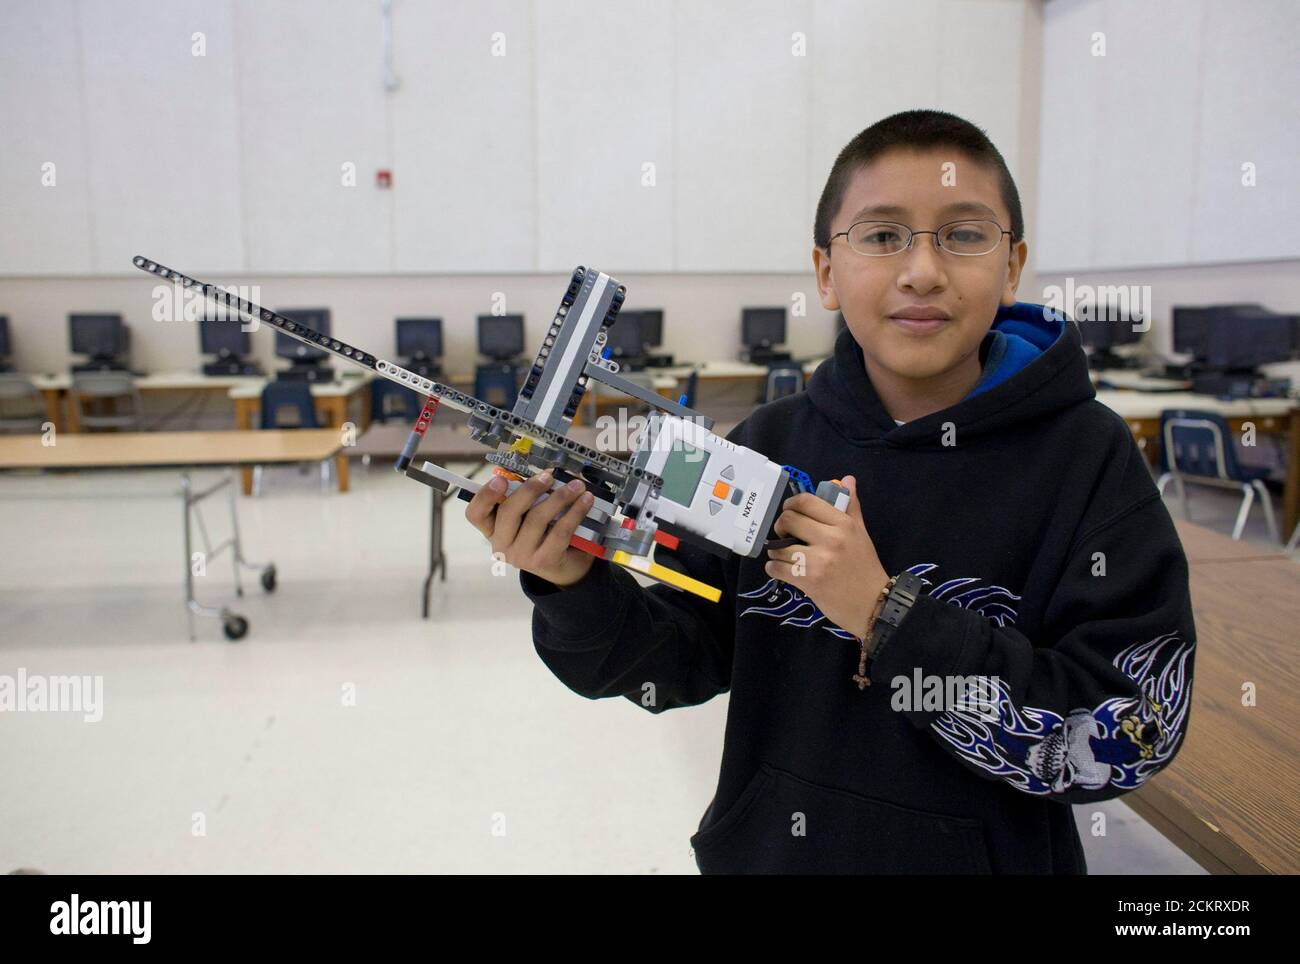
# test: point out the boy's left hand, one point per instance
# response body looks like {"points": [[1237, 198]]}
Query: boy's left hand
{"points": [[835, 562]]}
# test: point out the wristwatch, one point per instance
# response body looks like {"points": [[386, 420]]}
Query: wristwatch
{"points": [[903, 590]]}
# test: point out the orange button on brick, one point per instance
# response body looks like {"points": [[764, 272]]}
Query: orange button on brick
{"points": [[720, 490]]}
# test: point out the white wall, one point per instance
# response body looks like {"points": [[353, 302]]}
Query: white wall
{"points": [[508, 170], [1144, 139], [1140, 153], [522, 134]]}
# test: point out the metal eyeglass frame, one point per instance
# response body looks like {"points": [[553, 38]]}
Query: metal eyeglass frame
{"points": [[911, 236]]}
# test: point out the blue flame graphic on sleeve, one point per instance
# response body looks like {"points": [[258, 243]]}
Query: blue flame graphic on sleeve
{"points": [[782, 601], [1121, 742]]}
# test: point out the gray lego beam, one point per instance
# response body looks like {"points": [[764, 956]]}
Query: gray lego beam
{"points": [[565, 351], [650, 397]]}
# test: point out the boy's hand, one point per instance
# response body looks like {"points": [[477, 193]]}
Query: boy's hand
{"points": [[517, 529], [835, 565]]}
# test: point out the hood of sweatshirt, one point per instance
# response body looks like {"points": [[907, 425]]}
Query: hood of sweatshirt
{"points": [[1034, 366]]}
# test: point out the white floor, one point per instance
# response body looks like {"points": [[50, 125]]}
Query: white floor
{"points": [[462, 753]]}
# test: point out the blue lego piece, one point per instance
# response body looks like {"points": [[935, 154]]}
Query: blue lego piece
{"points": [[799, 479]]}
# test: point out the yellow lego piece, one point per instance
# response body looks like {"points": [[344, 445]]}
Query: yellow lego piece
{"points": [[522, 446], [666, 575]]}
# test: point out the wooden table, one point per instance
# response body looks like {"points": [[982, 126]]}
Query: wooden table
{"points": [[332, 401], [1231, 797], [185, 450], [125, 450]]}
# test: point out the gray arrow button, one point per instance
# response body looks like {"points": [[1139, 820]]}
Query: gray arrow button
{"points": [[729, 472], [714, 507]]}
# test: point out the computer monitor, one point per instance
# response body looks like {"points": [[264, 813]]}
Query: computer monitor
{"points": [[1242, 338], [419, 338], [102, 337], [1192, 327], [225, 338], [762, 327], [1189, 327], [651, 323], [501, 336], [625, 338], [317, 319], [1104, 333]]}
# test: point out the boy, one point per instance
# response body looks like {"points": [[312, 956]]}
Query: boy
{"points": [[1000, 624]]}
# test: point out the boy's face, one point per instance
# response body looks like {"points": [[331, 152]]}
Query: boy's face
{"points": [[968, 289]]}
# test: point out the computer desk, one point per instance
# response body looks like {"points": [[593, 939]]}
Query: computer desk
{"points": [[1231, 797], [332, 402], [62, 411], [183, 450], [1131, 378], [1140, 409]]}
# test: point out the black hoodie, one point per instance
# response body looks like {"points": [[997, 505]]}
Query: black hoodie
{"points": [[1052, 572]]}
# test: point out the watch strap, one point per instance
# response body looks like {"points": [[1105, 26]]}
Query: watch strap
{"points": [[907, 587]]}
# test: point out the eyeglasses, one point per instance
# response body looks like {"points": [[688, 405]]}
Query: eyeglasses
{"points": [[878, 239]]}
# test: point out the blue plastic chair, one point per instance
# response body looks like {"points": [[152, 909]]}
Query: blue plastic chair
{"points": [[497, 384], [277, 397], [389, 400], [783, 378], [1197, 446]]}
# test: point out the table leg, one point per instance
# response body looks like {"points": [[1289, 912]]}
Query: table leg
{"points": [[437, 564], [1291, 493], [72, 421], [246, 412], [367, 415], [333, 412], [54, 409]]}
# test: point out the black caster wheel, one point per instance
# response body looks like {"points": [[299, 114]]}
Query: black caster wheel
{"points": [[235, 627], [268, 578]]}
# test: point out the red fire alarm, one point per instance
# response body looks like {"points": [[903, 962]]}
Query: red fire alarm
{"points": [[383, 179]]}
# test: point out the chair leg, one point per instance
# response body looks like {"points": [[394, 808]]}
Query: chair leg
{"points": [[1244, 512], [324, 475], [257, 480], [1182, 494], [1295, 539], [1266, 501], [1163, 481]]}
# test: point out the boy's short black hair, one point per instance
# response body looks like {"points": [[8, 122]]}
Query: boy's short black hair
{"points": [[919, 130]]}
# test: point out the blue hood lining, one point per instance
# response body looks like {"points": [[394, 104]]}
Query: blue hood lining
{"points": [[1020, 334]]}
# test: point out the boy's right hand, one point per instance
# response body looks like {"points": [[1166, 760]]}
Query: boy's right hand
{"points": [[517, 529]]}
